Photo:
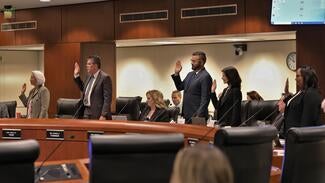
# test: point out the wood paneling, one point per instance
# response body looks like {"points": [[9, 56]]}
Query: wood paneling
{"points": [[107, 53], [258, 17], [310, 51], [6, 38], [144, 29], [88, 22], [59, 62], [48, 26], [209, 25]]}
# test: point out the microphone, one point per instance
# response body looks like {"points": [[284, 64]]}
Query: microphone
{"points": [[77, 111], [275, 110], [223, 116], [48, 157], [244, 123], [127, 103]]}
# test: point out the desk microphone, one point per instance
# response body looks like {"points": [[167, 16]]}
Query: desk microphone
{"points": [[127, 103], [39, 178], [252, 116], [221, 118], [274, 111], [78, 110]]}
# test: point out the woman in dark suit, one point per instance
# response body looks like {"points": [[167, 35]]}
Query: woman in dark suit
{"points": [[156, 109], [304, 108], [228, 107]]}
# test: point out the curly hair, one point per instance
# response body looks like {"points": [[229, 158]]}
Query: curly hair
{"points": [[158, 98]]}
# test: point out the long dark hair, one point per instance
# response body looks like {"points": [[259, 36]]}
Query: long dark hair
{"points": [[233, 77], [309, 77]]}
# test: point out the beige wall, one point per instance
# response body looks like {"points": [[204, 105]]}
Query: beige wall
{"points": [[262, 67], [15, 69]]}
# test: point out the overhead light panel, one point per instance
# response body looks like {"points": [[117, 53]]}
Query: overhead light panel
{"points": [[8, 12], [45, 0]]}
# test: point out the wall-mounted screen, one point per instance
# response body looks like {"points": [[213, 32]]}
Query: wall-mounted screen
{"points": [[289, 12]]}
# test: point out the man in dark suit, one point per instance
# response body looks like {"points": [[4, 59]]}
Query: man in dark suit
{"points": [[97, 90], [196, 86]]}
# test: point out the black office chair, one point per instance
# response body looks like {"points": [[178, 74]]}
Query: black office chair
{"points": [[11, 105], [67, 108], [133, 158], [17, 161], [304, 159], [249, 150], [260, 111], [129, 106]]}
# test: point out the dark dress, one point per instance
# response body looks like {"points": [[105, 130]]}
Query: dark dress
{"points": [[160, 115]]}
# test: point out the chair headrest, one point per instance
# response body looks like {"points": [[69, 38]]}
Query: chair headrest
{"points": [[306, 134], [18, 151], [136, 143]]}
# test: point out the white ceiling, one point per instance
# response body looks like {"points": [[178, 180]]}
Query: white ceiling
{"points": [[25, 4]]}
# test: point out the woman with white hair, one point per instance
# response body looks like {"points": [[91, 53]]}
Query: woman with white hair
{"points": [[38, 100]]}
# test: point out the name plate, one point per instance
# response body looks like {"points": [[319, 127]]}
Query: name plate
{"points": [[11, 133], [55, 134], [90, 133]]}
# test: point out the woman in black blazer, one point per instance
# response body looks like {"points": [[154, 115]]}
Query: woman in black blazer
{"points": [[228, 107], [304, 108], [156, 109]]}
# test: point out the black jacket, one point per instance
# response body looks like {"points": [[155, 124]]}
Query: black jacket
{"points": [[160, 115]]}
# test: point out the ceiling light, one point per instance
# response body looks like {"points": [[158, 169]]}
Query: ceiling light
{"points": [[45, 0]]}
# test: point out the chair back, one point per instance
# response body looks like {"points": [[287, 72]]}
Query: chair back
{"points": [[17, 161], [304, 159], [129, 106], [67, 108], [249, 150], [133, 158], [11, 105]]}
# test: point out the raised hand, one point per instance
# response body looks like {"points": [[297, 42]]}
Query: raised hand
{"points": [[76, 68], [214, 86], [178, 67], [23, 88]]}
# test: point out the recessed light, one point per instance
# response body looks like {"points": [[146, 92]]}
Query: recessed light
{"points": [[45, 0]]}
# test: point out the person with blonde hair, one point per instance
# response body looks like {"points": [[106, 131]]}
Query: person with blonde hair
{"points": [[201, 164], [156, 109], [38, 100], [254, 95]]}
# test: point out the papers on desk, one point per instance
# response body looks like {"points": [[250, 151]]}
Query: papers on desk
{"points": [[278, 152]]}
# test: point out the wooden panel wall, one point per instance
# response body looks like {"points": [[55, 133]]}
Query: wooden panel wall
{"points": [[6, 38], [48, 26], [106, 51], [145, 29], [58, 68], [258, 17], [209, 25], [88, 22]]}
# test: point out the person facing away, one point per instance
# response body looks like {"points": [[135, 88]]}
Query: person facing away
{"points": [[38, 99], [196, 86], [254, 95], [201, 164], [177, 99], [96, 90], [304, 107], [156, 108], [228, 106]]}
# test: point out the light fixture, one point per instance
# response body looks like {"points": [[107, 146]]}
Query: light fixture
{"points": [[45, 0], [8, 12], [240, 49]]}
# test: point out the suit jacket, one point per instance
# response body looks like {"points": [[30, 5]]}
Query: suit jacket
{"points": [[39, 97], [101, 95], [4, 111], [197, 88], [228, 106], [160, 115], [303, 110]]}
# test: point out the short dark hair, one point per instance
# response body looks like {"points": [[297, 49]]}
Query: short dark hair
{"points": [[201, 54], [233, 76], [309, 77], [96, 60]]}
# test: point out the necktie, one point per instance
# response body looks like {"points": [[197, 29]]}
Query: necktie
{"points": [[88, 89]]}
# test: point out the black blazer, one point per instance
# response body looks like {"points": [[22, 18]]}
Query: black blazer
{"points": [[303, 110], [101, 95], [231, 99], [197, 88], [160, 115]]}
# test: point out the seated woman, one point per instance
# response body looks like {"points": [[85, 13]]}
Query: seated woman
{"points": [[201, 164], [303, 108], [38, 100], [228, 106], [156, 109], [253, 95]]}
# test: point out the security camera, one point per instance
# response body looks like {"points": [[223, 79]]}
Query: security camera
{"points": [[240, 49]]}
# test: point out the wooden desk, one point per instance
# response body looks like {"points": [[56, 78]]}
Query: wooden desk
{"points": [[75, 144]]}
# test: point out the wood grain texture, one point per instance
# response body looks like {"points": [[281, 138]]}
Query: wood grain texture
{"points": [[48, 26], [144, 29], [88, 22], [209, 25], [59, 62], [6, 38]]}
